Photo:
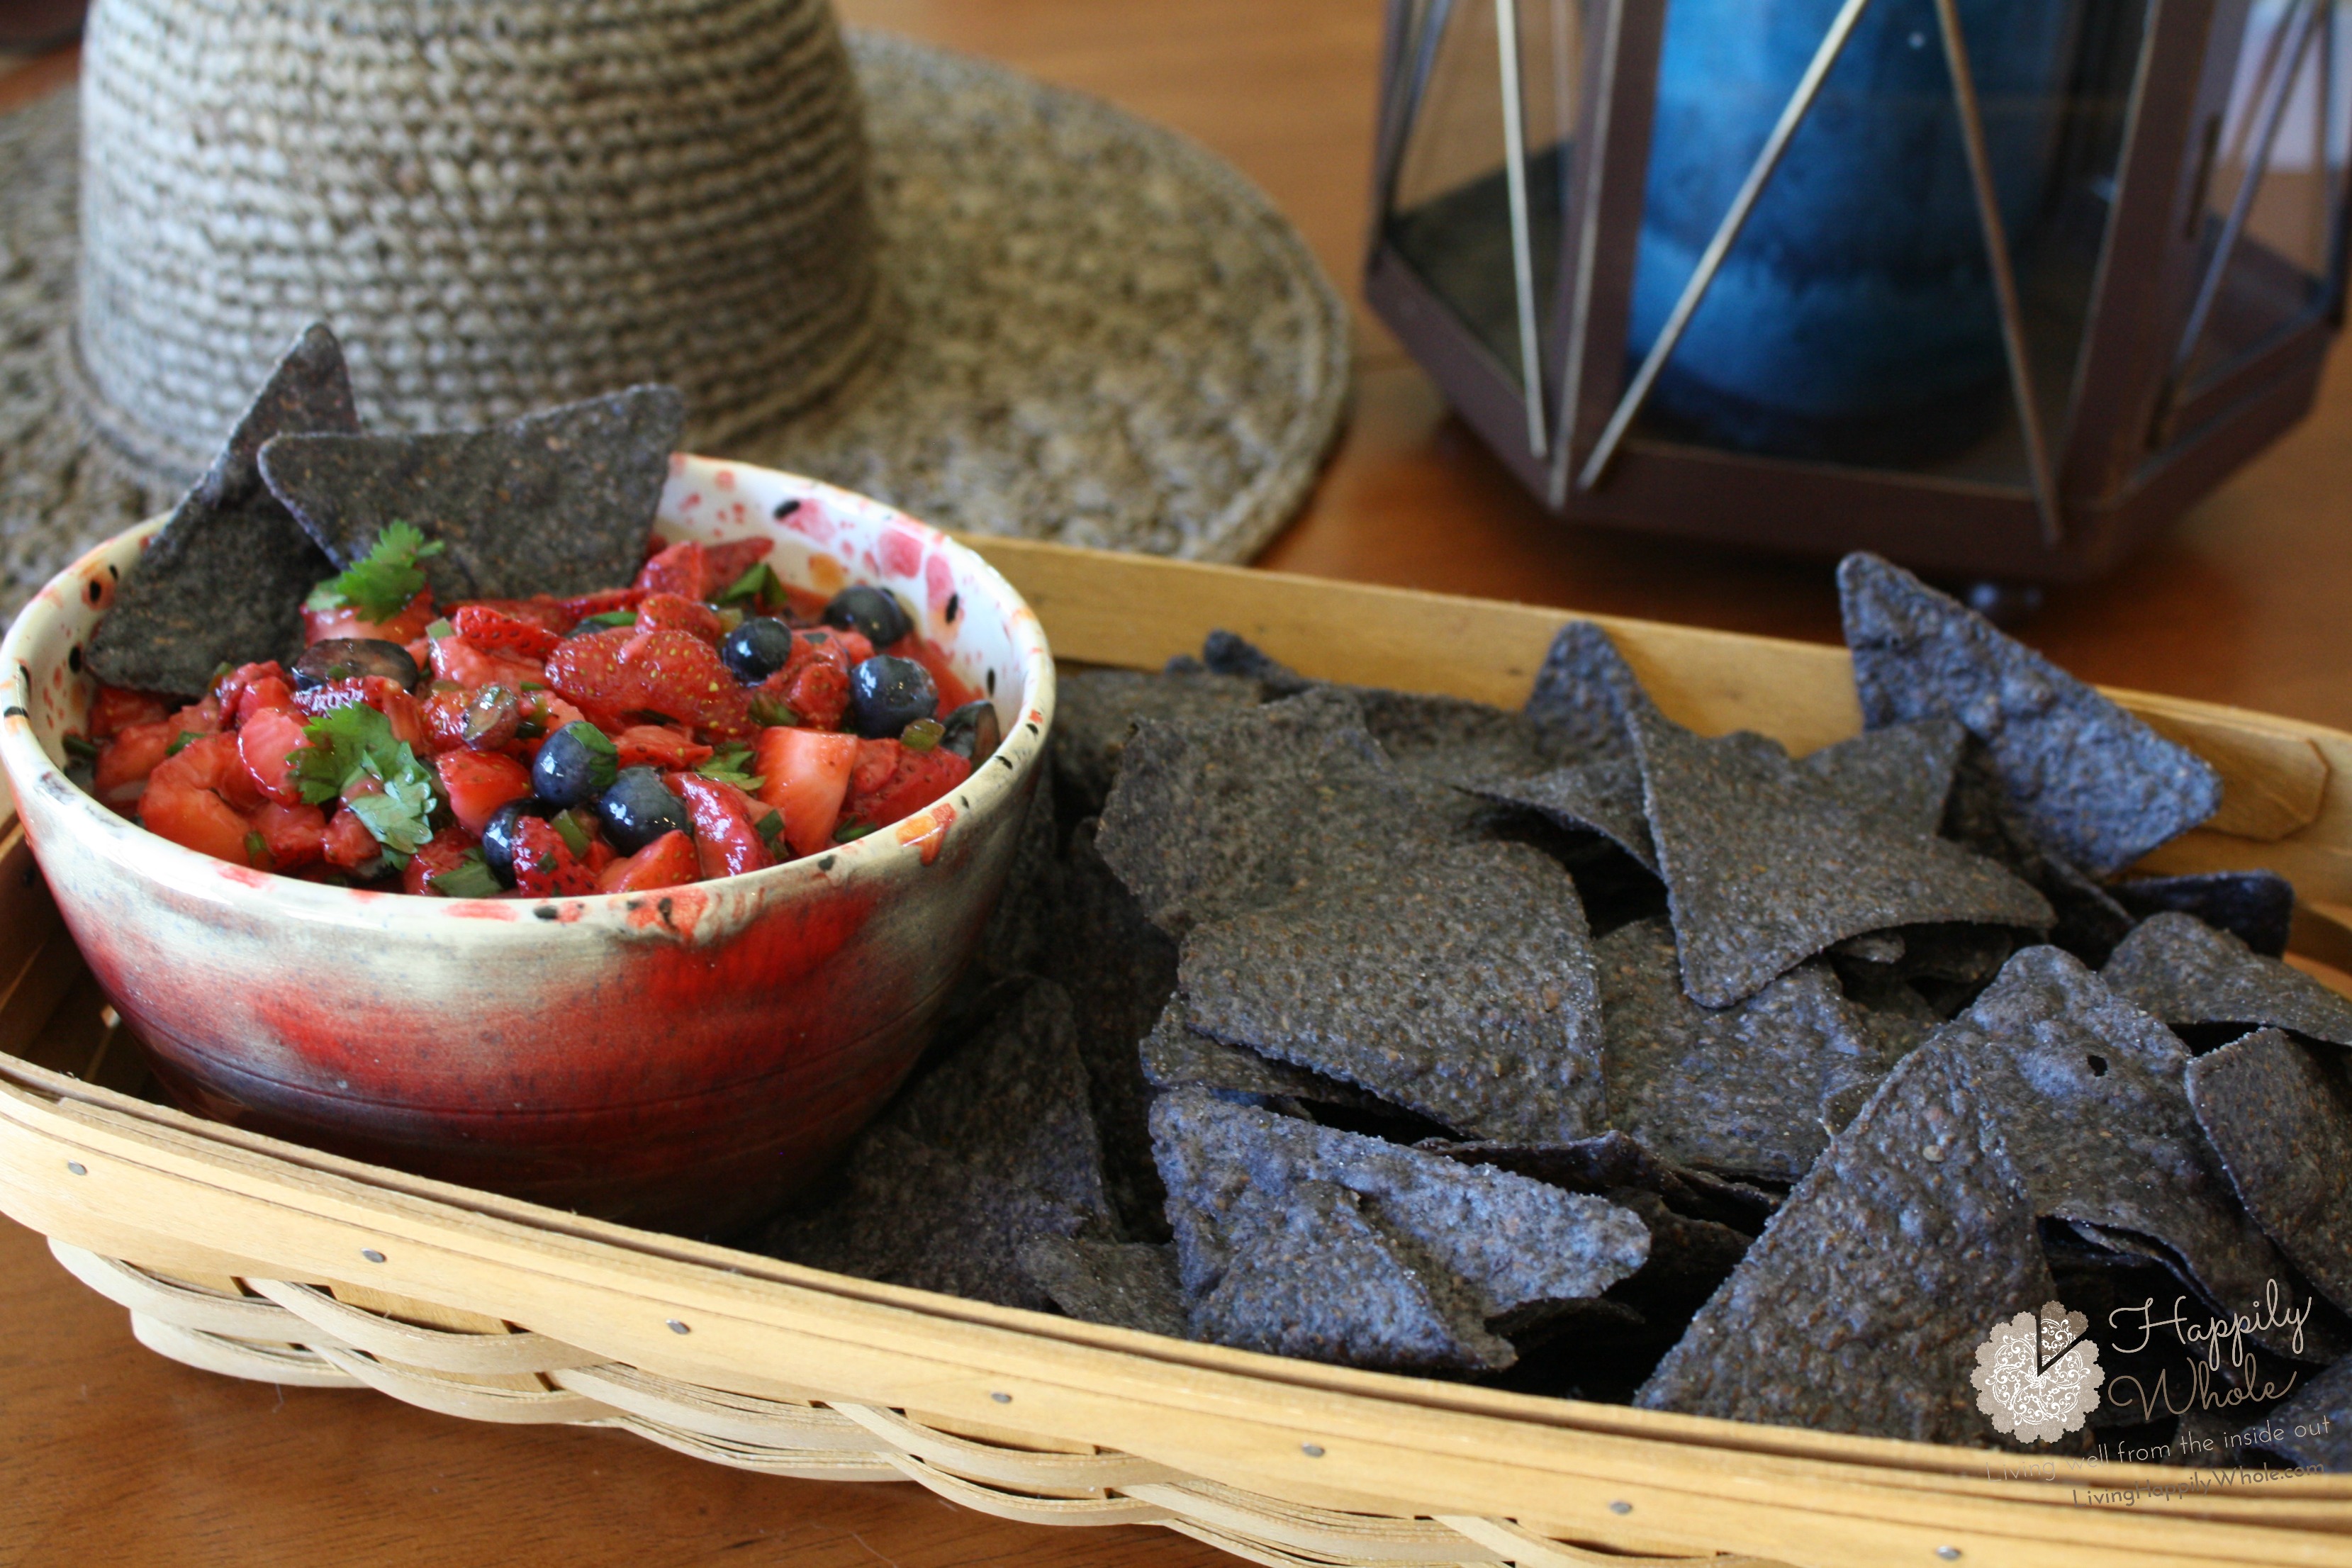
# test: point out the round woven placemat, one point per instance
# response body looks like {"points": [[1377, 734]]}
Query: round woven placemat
{"points": [[1096, 332]]}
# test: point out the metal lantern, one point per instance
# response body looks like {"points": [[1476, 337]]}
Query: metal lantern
{"points": [[1994, 287]]}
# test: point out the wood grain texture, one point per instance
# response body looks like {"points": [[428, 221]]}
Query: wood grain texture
{"points": [[110, 1454]]}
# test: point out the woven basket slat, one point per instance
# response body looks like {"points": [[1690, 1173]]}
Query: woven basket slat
{"points": [[350, 1328], [806, 1465], [234, 1358], [1021, 1467]]}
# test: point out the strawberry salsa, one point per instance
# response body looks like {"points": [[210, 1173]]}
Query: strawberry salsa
{"points": [[706, 720]]}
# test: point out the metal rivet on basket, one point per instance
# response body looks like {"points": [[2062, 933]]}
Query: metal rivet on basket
{"points": [[677, 1328], [1620, 1506], [1312, 1450], [1948, 1553], [77, 1167], [371, 1254], [1001, 1398]]}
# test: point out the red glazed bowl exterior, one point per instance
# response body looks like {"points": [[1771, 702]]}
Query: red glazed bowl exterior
{"points": [[680, 1059]]}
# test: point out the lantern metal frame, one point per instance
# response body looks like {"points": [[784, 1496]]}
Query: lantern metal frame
{"points": [[2135, 442]]}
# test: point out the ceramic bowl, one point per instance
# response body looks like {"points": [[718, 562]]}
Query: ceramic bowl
{"points": [[681, 1059]]}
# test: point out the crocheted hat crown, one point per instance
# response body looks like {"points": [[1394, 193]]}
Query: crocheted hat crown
{"points": [[499, 205]]}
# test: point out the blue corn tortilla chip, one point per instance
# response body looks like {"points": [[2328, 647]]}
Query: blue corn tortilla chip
{"points": [[1603, 797], [1897, 778], [2314, 1427], [1753, 1089], [1613, 1162], [1446, 740], [1012, 1103], [1118, 969], [2089, 923], [1765, 866], [1127, 1284], [1457, 983], [2091, 1096], [1860, 1308], [1519, 1244], [902, 1212], [1316, 1275], [555, 503], [224, 580], [1021, 928], [1096, 712], [2256, 907], [1174, 1056], [1229, 654], [2095, 784], [2186, 972], [1582, 693], [2280, 1115], [1215, 816]]}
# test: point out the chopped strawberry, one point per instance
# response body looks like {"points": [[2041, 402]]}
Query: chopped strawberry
{"points": [[476, 784], [503, 636], [348, 843], [579, 606], [545, 865], [444, 717], [294, 836], [814, 681], [914, 781], [318, 625], [587, 671], [660, 611], [262, 695], [878, 762], [460, 658], [115, 709], [730, 561], [657, 746], [439, 856], [556, 615], [266, 744], [200, 718], [668, 861], [678, 675], [124, 763], [804, 774], [231, 688], [187, 803], [682, 569], [723, 816]]}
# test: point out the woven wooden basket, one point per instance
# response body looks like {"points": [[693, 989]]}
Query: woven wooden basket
{"points": [[260, 1260]]}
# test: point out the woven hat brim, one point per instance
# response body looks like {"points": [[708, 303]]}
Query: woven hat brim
{"points": [[1095, 330]]}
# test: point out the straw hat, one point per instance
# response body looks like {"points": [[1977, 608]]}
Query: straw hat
{"points": [[999, 305]]}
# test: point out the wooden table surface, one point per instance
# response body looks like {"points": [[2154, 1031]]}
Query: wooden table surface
{"points": [[110, 1455]]}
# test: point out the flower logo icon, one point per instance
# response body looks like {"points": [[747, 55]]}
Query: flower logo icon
{"points": [[2038, 1375]]}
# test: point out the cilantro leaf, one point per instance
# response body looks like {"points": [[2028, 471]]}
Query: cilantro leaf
{"points": [[605, 622], [726, 767], [770, 829], [344, 744], [470, 877], [379, 583]]}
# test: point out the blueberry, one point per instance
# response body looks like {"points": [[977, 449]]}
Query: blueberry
{"points": [[868, 610], [497, 835], [887, 693], [638, 809], [758, 648], [973, 731], [577, 762], [348, 659]]}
